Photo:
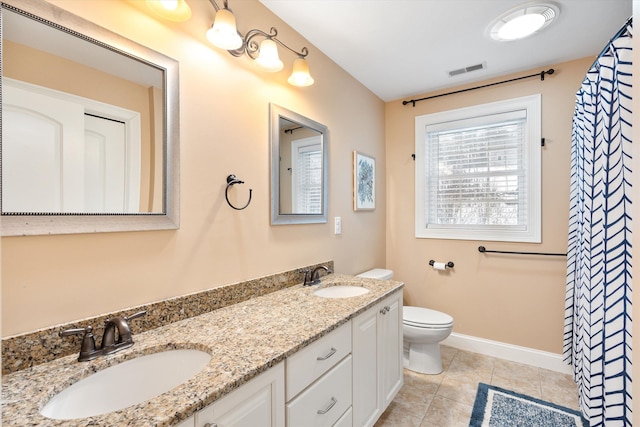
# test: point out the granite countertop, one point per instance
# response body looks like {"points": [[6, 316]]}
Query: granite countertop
{"points": [[244, 340]]}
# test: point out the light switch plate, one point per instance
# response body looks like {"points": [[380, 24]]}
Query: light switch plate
{"points": [[337, 221]]}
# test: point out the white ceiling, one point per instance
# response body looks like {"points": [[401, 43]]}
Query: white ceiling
{"points": [[401, 48]]}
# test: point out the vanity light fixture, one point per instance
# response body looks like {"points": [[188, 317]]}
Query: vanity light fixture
{"points": [[224, 34], [523, 21], [172, 10]]}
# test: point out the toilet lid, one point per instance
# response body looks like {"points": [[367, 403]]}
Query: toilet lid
{"points": [[420, 317]]}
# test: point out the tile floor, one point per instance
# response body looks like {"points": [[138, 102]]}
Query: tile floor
{"points": [[446, 400]]}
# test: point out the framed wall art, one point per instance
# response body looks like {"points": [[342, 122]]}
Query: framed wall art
{"points": [[364, 182]]}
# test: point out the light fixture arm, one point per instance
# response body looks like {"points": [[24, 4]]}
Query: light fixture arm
{"points": [[216, 7], [252, 47]]}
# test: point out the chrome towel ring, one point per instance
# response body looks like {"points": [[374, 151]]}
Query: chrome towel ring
{"points": [[231, 181]]}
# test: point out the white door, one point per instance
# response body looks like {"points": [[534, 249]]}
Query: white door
{"points": [[40, 134], [105, 166], [56, 158]]}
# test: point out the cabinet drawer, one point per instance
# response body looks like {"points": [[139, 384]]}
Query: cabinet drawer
{"points": [[324, 402], [345, 420], [310, 363]]}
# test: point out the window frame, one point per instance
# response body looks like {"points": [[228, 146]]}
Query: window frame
{"points": [[532, 231], [311, 144]]}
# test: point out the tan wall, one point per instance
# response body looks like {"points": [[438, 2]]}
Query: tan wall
{"points": [[513, 299], [224, 129]]}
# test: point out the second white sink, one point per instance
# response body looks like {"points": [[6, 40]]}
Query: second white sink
{"points": [[126, 384], [341, 291]]}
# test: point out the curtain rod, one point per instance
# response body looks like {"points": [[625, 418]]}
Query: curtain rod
{"points": [[540, 74], [484, 250], [619, 34]]}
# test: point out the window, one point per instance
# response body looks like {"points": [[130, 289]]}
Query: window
{"points": [[306, 175], [478, 172]]}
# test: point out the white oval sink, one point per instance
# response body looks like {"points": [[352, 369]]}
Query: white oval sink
{"points": [[126, 384], [341, 291]]}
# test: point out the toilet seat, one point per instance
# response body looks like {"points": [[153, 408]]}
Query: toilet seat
{"points": [[420, 317]]}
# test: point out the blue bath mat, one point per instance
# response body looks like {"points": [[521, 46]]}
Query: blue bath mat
{"points": [[497, 407]]}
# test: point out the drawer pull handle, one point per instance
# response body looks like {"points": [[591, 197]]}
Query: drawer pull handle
{"points": [[328, 408], [211, 425], [331, 353]]}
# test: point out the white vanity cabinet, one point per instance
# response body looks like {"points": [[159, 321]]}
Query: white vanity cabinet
{"points": [[346, 378], [377, 359], [260, 402]]}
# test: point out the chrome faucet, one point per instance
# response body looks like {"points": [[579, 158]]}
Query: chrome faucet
{"points": [[109, 343], [311, 276]]}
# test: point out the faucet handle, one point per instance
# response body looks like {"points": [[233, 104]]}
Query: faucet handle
{"points": [[127, 320], [306, 272], [88, 347], [135, 315], [75, 331]]}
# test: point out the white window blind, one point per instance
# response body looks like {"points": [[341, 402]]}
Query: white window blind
{"points": [[477, 176], [307, 175]]}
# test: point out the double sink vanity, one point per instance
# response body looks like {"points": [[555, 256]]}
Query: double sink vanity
{"points": [[299, 356]]}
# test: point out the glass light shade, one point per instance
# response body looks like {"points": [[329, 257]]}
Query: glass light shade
{"points": [[268, 58], [523, 21], [172, 10], [223, 33], [300, 75], [521, 26]]}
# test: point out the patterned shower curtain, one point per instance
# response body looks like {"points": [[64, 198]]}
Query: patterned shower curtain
{"points": [[597, 339]]}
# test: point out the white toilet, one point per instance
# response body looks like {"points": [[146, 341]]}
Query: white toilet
{"points": [[423, 330]]}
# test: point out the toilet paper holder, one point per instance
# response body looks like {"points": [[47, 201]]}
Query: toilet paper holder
{"points": [[448, 264]]}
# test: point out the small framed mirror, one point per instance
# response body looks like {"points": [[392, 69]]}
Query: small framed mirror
{"points": [[90, 127], [299, 168]]}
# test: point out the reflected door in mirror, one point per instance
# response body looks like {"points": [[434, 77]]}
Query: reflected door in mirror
{"points": [[59, 159]]}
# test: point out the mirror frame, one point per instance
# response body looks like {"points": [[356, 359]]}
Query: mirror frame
{"points": [[276, 112], [169, 219]]}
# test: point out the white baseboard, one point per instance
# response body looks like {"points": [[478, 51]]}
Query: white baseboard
{"points": [[514, 353]]}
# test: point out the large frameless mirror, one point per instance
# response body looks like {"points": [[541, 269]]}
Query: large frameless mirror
{"points": [[89, 127], [298, 168]]}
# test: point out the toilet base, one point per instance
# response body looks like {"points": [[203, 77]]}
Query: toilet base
{"points": [[423, 358]]}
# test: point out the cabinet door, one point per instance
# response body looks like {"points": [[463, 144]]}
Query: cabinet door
{"points": [[390, 348], [260, 402], [189, 422], [366, 404]]}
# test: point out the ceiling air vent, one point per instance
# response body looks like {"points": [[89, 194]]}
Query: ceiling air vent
{"points": [[466, 69]]}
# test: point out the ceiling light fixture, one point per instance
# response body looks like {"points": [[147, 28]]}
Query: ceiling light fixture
{"points": [[225, 35], [173, 10], [523, 21]]}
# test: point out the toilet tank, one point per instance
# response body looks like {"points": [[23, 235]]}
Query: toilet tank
{"points": [[377, 273]]}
